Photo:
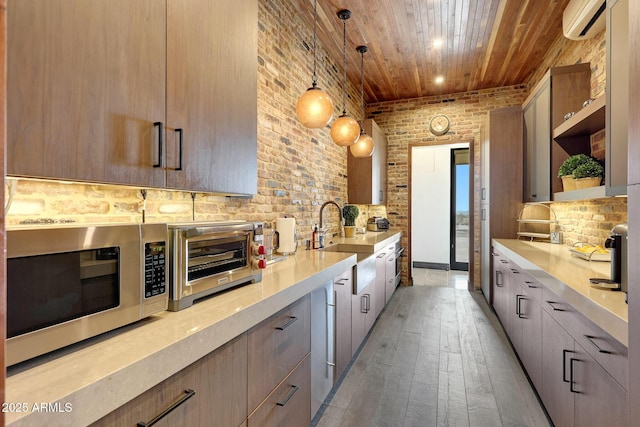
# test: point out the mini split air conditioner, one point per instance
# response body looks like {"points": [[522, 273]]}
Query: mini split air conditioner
{"points": [[583, 19]]}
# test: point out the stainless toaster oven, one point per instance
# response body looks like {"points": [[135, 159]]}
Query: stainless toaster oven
{"points": [[211, 257], [70, 283]]}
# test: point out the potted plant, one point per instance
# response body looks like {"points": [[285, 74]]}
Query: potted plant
{"points": [[565, 172], [350, 213], [588, 174]]}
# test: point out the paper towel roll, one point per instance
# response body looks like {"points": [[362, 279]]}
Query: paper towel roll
{"points": [[286, 228]]}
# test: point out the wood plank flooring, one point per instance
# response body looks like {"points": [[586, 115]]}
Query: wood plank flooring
{"points": [[437, 356]]}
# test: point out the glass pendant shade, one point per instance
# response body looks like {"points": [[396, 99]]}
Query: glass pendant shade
{"points": [[314, 108], [363, 147], [345, 131]]}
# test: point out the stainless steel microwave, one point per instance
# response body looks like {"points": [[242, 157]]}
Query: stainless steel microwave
{"points": [[70, 283]]}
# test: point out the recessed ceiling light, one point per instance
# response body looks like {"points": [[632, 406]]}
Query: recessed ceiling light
{"points": [[438, 43], [439, 80]]}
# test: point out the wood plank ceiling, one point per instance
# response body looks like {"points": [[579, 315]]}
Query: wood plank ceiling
{"points": [[486, 43]]}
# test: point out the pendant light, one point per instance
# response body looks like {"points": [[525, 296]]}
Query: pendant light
{"points": [[315, 108], [365, 145], [345, 130]]}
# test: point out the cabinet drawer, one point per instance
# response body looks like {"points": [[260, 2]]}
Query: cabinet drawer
{"points": [[605, 349], [528, 283], [345, 279], [290, 403], [211, 391], [275, 347]]}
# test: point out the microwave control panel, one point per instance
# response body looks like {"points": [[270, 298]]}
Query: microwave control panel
{"points": [[155, 277]]}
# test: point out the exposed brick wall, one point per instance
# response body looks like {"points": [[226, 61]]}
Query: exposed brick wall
{"points": [[568, 52], [589, 221]]}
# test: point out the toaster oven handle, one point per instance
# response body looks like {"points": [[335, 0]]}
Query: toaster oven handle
{"points": [[192, 232]]}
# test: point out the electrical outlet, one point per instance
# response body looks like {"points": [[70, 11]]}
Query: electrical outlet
{"points": [[556, 237]]}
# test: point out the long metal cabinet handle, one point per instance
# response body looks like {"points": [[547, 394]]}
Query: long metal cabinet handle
{"points": [[591, 339], [571, 382], [286, 325], [180, 133], [519, 298], [368, 302], [292, 391], [331, 312], [564, 365], [160, 127], [551, 303], [187, 394]]}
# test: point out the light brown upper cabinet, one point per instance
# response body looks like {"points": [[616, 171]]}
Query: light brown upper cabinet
{"points": [[617, 97], [212, 96], [562, 90], [367, 176], [153, 93], [86, 82]]}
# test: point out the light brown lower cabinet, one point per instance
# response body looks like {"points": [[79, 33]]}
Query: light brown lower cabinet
{"points": [[343, 289], [210, 392], [381, 280], [390, 273], [289, 405], [558, 349], [276, 346], [579, 371], [362, 314]]}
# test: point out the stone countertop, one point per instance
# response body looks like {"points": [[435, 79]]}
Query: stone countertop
{"points": [[370, 242], [96, 376], [568, 277]]}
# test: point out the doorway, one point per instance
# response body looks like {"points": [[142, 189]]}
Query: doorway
{"points": [[439, 225], [459, 212]]}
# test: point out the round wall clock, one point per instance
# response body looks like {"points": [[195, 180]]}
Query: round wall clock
{"points": [[439, 124]]}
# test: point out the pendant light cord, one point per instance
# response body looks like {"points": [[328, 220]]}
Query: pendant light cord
{"points": [[315, 43], [362, 86], [344, 63]]}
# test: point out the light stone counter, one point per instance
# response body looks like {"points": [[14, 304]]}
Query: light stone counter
{"points": [[97, 376], [370, 242], [568, 277]]}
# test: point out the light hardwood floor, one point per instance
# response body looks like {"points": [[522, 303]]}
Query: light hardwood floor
{"points": [[437, 356]]}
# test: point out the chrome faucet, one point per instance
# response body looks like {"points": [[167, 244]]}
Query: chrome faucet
{"points": [[331, 202]]}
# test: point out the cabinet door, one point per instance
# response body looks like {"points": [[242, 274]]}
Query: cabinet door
{"points": [[275, 347], [599, 399], [381, 280], [212, 95], [390, 276], [86, 82], [617, 112], [367, 182], [537, 117], [514, 309], [557, 351], [372, 297], [219, 381], [500, 289], [360, 319], [530, 312], [343, 288]]}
